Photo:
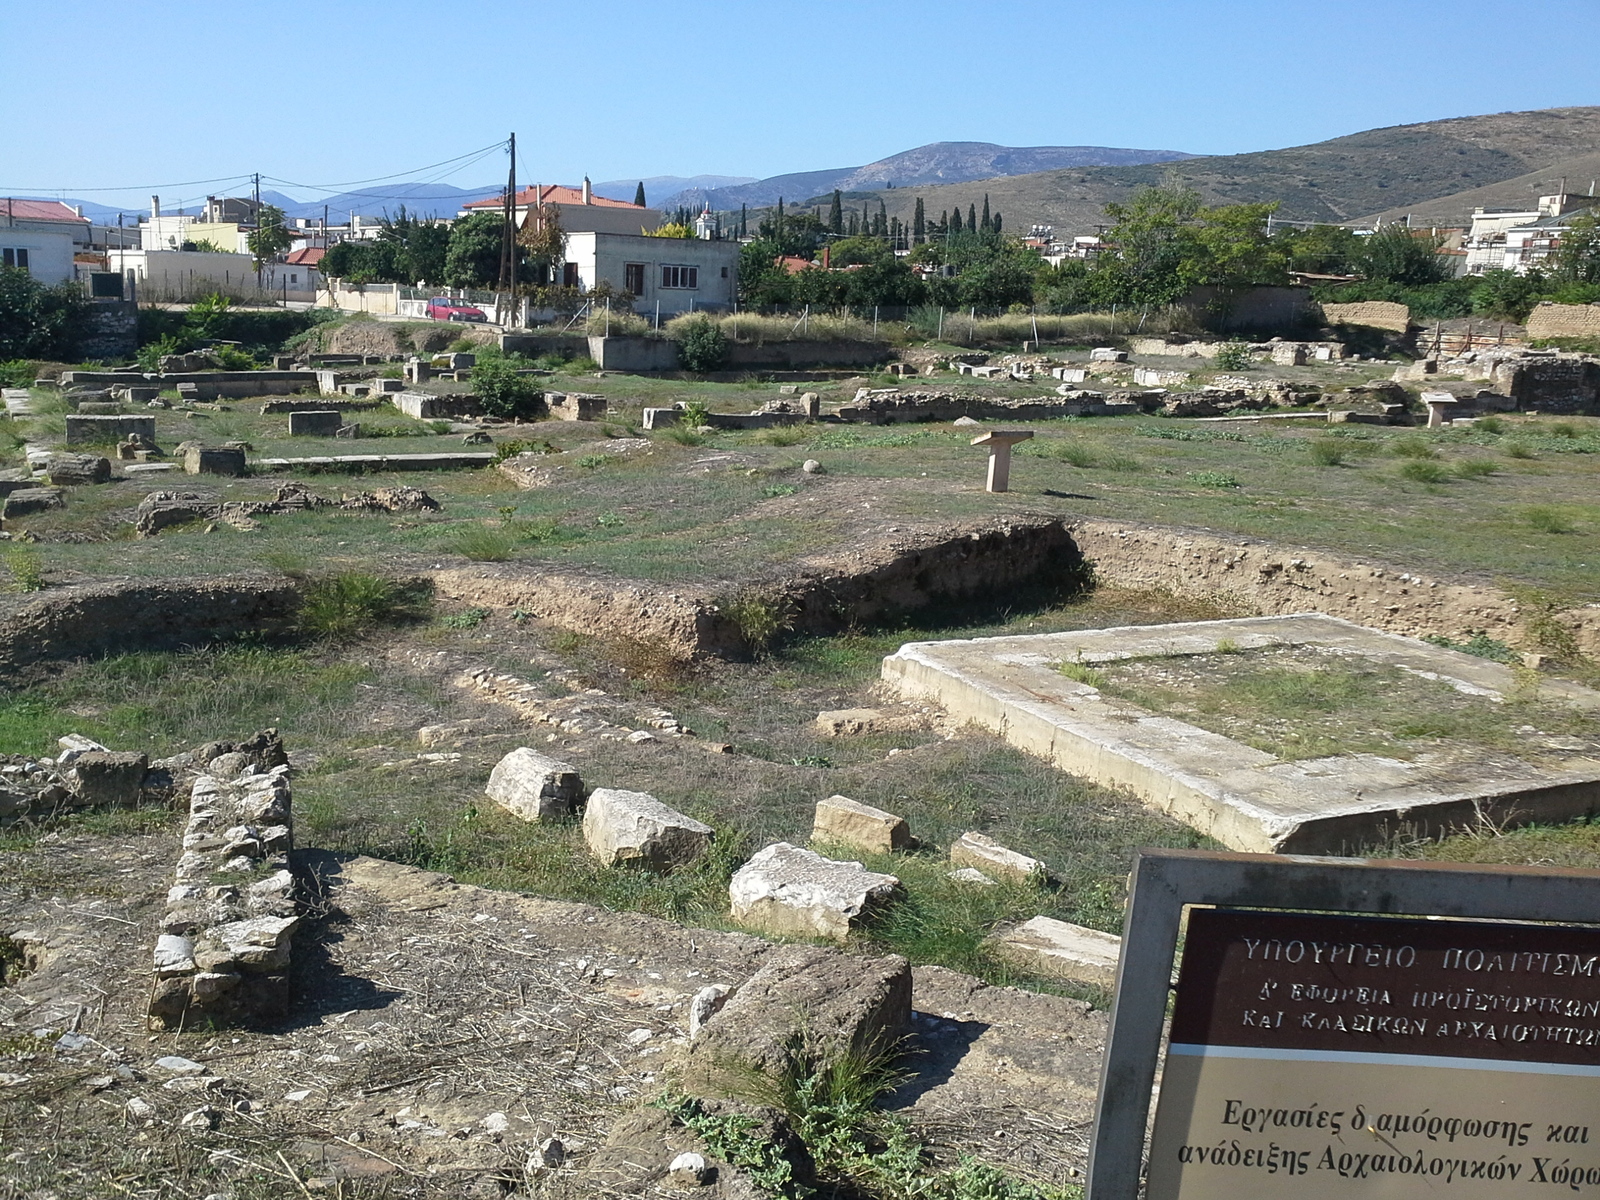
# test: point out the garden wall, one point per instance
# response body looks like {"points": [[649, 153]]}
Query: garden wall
{"points": [[1549, 320]]}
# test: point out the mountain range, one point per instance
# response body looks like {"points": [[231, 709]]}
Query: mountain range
{"points": [[936, 163]]}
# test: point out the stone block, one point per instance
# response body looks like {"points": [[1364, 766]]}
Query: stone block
{"points": [[810, 998], [576, 406], [857, 722], [25, 502], [841, 821], [109, 777], [1108, 355], [994, 860], [84, 428], [534, 787], [1044, 946], [635, 828], [315, 424], [213, 460], [75, 470], [258, 944], [790, 892]]}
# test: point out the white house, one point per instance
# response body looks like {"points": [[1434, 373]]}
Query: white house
{"points": [[679, 274], [1504, 239], [41, 237]]}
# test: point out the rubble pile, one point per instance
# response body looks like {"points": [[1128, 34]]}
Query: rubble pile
{"points": [[84, 775], [162, 510]]}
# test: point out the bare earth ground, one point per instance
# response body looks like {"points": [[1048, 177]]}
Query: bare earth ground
{"points": [[440, 1033]]}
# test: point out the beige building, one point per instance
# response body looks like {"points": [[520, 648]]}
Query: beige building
{"points": [[580, 209]]}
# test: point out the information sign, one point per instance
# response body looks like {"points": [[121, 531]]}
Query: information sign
{"points": [[1340, 1056]]}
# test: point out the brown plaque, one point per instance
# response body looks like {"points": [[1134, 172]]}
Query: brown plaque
{"points": [[1379, 1057]]}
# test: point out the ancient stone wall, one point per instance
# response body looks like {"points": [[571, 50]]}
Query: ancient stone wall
{"points": [[1549, 320], [1555, 385], [109, 331], [1379, 314]]}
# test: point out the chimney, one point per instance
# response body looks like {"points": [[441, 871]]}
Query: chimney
{"points": [[588, 192], [155, 207]]}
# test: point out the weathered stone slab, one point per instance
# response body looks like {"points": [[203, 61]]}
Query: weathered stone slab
{"points": [[635, 828], [77, 470], [787, 891], [1045, 946], [379, 462], [994, 860], [25, 502], [809, 999], [1243, 797], [85, 429], [109, 777], [534, 787], [324, 424], [841, 821], [213, 460]]}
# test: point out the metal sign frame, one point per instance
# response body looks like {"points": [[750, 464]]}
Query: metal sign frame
{"points": [[1166, 881]]}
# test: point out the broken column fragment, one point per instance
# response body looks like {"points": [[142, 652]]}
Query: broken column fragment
{"points": [[534, 787]]}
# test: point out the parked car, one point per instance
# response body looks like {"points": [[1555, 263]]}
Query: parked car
{"points": [[442, 308]]}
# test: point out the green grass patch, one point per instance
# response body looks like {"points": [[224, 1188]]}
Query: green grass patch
{"points": [[1214, 479], [1421, 470], [1547, 518], [343, 605]]}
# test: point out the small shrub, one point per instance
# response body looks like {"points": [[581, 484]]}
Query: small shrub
{"points": [[347, 604], [581, 365], [695, 414], [503, 392], [1478, 643], [1326, 452], [18, 373], [485, 543], [1214, 479], [22, 564], [463, 345], [590, 462], [786, 435], [1075, 453], [514, 447], [231, 358], [702, 346], [1563, 429], [1490, 425], [1518, 450], [1234, 356], [610, 520], [1411, 447], [1547, 518], [759, 619], [685, 435], [1420, 470], [1228, 646], [773, 491], [1476, 468], [467, 618]]}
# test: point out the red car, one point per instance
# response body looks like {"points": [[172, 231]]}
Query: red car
{"points": [[441, 308]]}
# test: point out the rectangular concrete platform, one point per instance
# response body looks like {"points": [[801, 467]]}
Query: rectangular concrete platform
{"points": [[377, 462], [1246, 798]]}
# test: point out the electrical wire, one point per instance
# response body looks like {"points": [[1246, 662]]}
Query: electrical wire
{"points": [[475, 155], [144, 187]]}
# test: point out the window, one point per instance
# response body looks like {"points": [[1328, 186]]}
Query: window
{"points": [[569, 275], [686, 278], [633, 278], [15, 258], [724, 272]]}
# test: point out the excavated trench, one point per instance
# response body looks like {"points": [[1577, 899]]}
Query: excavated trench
{"points": [[1012, 562]]}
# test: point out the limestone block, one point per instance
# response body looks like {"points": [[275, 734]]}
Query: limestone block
{"points": [[826, 1001], [534, 787], [994, 860], [174, 955], [25, 502], [787, 891], [845, 822], [1044, 946], [69, 470], [1107, 354], [257, 944], [205, 460], [856, 722], [109, 777], [635, 827]]}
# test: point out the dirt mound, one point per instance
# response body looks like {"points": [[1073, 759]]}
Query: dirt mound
{"points": [[362, 336]]}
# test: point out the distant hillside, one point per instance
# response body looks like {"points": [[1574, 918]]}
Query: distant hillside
{"points": [[1580, 173], [658, 186], [939, 162], [1344, 179]]}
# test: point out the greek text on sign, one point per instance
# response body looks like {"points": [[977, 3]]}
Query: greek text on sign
{"points": [[1378, 1057]]}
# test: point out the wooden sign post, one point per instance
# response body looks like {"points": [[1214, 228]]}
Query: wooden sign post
{"points": [[1334, 1038], [1000, 442]]}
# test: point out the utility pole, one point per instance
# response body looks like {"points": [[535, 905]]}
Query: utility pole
{"points": [[255, 196], [506, 285]]}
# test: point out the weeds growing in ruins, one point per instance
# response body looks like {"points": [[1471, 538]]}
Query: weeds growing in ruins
{"points": [[760, 620], [1478, 644], [23, 565], [1477, 468], [1519, 449], [338, 606], [1421, 470], [1412, 447], [485, 543], [1214, 479], [1547, 518], [1326, 452]]}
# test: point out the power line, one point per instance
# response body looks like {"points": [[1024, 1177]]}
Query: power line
{"points": [[141, 187], [328, 187]]}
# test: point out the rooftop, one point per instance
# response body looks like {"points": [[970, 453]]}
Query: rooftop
{"points": [[553, 193], [42, 210]]}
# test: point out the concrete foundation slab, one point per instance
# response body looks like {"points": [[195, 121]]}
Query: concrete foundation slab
{"points": [[1243, 797]]}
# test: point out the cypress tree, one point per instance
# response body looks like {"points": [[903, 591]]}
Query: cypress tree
{"points": [[955, 220], [836, 213], [744, 221], [778, 226], [883, 219], [997, 224], [638, 195], [972, 218], [919, 225], [986, 225], [853, 228]]}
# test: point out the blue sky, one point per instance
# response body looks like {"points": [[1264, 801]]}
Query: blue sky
{"points": [[168, 95]]}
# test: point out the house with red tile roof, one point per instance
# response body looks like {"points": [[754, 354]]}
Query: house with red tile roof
{"points": [[41, 237], [581, 210]]}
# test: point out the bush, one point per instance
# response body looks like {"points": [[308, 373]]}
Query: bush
{"points": [[1421, 470], [701, 345], [38, 321], [1326, 452], [1476, 468], [19, 373], [484, 543], [344, 605], [1547, 519], [503, 392], [1234, 356], [22, 564], [1215, 479]]}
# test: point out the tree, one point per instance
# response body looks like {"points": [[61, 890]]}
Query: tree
{"points": [[638, 195], [1507, 295], [972, 217], [271, 236], [38, 321], [1321, 249], [543, 240], [836, 213], [955, 220], [919, 224], [1578, 256], [744, 222], [419, 250], [701, 344], [985, 223], [995, 227], [1234, 249], [473, 258], [762, 282], [1398, 255]]}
